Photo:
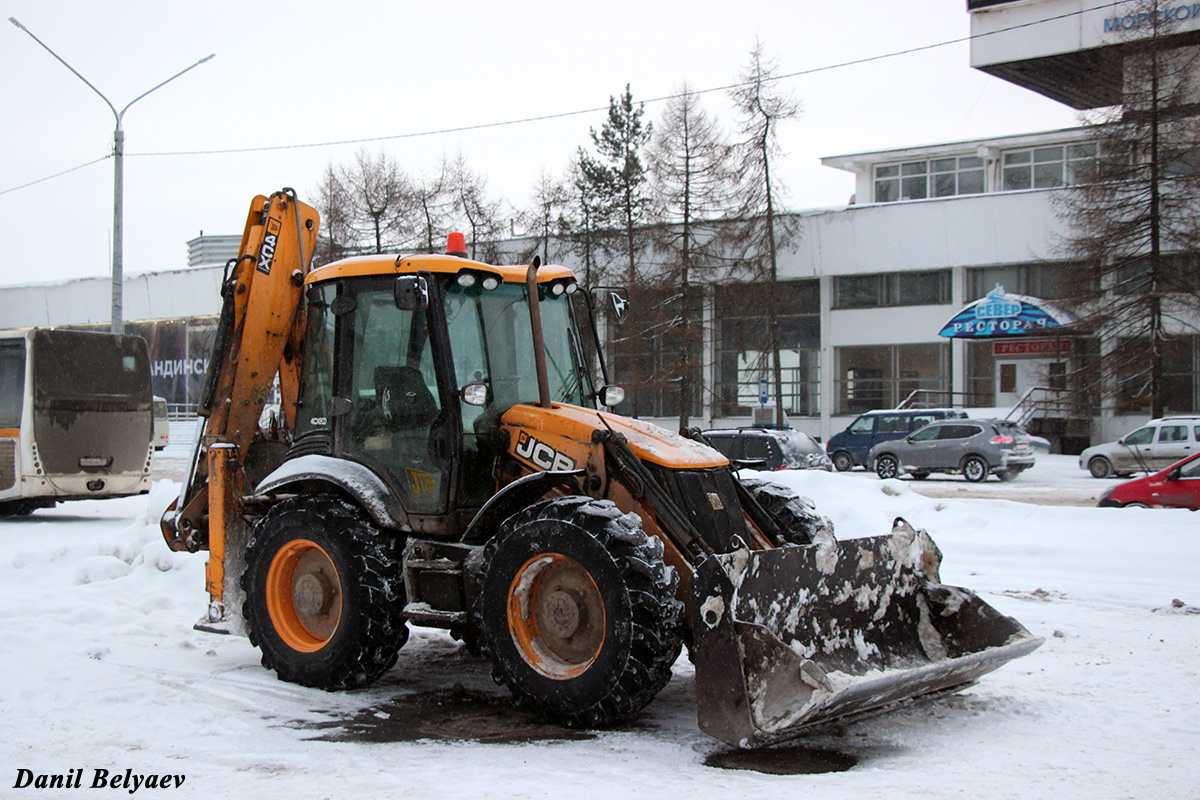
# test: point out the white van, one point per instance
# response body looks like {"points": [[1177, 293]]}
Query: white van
{"points": [[1156, 445], [162, 424]]}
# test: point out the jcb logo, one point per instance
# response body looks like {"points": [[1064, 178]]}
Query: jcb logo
{"points": [[541, 455], [266, 254]]}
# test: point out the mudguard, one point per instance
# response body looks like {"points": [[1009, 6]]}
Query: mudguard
{"points": [[796, 638]]}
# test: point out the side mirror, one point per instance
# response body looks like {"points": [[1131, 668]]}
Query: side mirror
{"points": [[1174, 474], [411, 293], [615, 298], [612, 396], [475, 394]]}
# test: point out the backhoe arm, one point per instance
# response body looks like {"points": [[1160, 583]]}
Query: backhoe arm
{"points": [[262, 321]]}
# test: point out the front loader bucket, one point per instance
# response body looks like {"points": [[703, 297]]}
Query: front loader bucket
{"points": [[792, 639]]}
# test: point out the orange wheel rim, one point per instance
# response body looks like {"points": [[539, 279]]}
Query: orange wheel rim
{"points": [[304, 595], [556, 616]]}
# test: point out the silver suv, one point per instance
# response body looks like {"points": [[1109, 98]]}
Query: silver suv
{"points": [[1156, 445], [974, 447]]}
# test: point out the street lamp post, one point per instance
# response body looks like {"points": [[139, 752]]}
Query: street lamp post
{"points": [[118, 253]]}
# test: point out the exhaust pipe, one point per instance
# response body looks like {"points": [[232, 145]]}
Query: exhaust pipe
{"points": [[535, 324]]}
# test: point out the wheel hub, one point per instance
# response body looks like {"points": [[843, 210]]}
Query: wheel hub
{"points": [[556, 616], [561, 614], [304, 595]]}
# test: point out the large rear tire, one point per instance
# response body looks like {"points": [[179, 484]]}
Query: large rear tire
{"points": [[324, 594], [577, 611], [795, 515]]}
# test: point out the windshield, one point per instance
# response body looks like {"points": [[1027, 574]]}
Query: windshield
{"points": [[492, 343], [94, 371]]}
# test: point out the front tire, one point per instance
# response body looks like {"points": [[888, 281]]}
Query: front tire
{"points": [[887, 466], [323, 594], [1100, 467], [975, 469], [795, 515], [577, 611], [842, 461]]}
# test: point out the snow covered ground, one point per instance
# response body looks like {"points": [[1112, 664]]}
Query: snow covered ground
{"points": [[100, 669]]}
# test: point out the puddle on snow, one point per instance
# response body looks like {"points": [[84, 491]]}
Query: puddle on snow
{"points": [[452, 715], [788, 760]]}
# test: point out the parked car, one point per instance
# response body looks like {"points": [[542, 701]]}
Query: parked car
{"points": [[974, 447], [1177, 486], [850, 447], [769, 448], [162, 425], [1152, 447]]}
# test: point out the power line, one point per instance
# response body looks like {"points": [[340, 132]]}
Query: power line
{"points": [[57, 174], [579, 112], [564, 114]]}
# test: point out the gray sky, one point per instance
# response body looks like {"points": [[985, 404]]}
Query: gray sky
{"points": [[299, 73]]}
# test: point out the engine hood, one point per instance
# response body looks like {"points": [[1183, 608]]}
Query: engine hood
{"points": [[567, 430]]}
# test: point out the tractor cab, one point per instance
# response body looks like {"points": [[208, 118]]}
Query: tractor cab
{"points": [[409, 364]]}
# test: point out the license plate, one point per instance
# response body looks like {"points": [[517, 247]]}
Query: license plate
{"points": [[94, 461]]}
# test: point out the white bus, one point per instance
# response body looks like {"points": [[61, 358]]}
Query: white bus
{"points": [[75, 417]]}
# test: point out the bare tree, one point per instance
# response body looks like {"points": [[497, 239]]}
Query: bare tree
{"points": [[432, 206], [763, 106], [470, 203], [1132, 217], [691, 168], [378, 195], [546, 218], [336, 237]]}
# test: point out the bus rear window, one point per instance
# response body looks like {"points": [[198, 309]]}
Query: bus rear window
{"points": [[77, 365]]}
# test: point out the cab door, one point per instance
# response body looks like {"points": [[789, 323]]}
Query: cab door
{"points": [[396, 415], [12, 400], [1181, 489], [1172, 444], [1135, 454]]}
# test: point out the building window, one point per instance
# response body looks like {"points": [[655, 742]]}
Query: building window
{"points": [[1181, 375], [882, 376], [1047, 167], [1176, 270], [939, 177], [646, 353], [931, 287], [1044, 281], [743, 359]]}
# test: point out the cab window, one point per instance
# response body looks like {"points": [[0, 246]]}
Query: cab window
{"points": [[862, 425], [756, 448], [1173, 433], [1140, 436], [891, 423], [926, 434]]}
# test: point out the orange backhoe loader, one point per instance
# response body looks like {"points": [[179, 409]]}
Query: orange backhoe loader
{"points": [[442, 457]]}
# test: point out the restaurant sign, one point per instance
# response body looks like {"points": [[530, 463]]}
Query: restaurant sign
{"points": [[1003, 314]]}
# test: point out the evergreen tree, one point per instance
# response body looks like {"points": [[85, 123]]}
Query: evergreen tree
{"points": [[616, 182]]}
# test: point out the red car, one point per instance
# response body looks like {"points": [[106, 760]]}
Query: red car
{"points": [[1177, 486]]}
